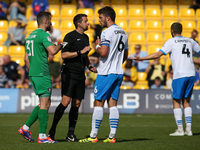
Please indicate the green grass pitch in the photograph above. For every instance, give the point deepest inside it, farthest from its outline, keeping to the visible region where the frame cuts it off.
(135, 132)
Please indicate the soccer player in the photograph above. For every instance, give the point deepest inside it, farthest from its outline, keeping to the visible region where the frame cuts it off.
(74, 52)
(113, 52)
(180, 50)
(38, 46)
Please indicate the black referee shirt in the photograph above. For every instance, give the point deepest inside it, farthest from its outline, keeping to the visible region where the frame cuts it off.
(73, 42)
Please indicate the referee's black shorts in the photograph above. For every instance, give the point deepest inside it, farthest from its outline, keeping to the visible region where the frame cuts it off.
(73, 87)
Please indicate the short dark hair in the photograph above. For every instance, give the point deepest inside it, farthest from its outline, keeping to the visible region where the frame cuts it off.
(78, 19)
(195, 31)
(41, 16)
(177, 28)
(157, 78)
(108, 11)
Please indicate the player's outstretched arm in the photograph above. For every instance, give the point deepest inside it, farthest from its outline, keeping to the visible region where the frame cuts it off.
(149, 57)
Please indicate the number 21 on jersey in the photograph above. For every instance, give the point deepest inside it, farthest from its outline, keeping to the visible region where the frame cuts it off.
(29, 47)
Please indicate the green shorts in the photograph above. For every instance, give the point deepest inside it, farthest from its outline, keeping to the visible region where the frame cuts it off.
(41, 85)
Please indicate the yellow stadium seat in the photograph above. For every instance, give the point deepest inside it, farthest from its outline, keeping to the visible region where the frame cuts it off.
(125, 87)
(184, 3)
(198, 25)
(123, 24)
(28, 12)
(196, 87)
(136, 25)
(188, 25)
(135, 13)
(132, 49)
(153, 25)
(167, 25)
(186, 13)
(153, 49)
(96, 15)
(4, 25)
(53, 2)
(152, 13)
(68, 12)
(57, 57)
(198, 14)
(3, 50)
(121, 13)
(118, 2)
(137, 38)
(142, 76)
(64, 33)
(90, 35)
(3, 37)
(87, 11)
(167, 36)
(135, 3)
(12, 23)
(55, 12)
(152, 3)
(141, 87)
(169, 13)
(145, 82)
(154, 38)
(32, 25)
(187, 34)
(55, 24)
(169, 3)
(19, 60)
(16, 51)
(67, 25)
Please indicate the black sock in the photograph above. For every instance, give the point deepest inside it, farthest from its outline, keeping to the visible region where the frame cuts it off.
(73, 117)
(57, 116)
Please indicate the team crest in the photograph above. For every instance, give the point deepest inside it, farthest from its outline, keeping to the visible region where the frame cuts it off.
(49, 89)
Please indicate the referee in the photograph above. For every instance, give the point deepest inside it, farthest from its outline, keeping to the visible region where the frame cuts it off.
(74, 52)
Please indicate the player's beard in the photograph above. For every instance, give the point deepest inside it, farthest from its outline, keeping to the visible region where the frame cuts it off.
(48, 28)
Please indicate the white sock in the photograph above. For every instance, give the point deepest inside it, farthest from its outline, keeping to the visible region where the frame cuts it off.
(178, 118)
(25, 127)
(188, 118)
(113, 119)
(97, 118)
(42, 135)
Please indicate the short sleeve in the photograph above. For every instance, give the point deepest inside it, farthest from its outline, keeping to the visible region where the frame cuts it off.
(67, 42)
(46, 40)
(105, 39)
(11, 30)
(167, 47)
(195, 47)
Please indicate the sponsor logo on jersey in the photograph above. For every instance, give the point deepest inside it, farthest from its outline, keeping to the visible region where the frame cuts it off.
(78, 39)
(49, 39)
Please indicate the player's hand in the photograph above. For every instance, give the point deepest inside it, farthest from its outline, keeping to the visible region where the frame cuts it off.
(135, 57)
(93, 69)
(98, 41)
(86, 50)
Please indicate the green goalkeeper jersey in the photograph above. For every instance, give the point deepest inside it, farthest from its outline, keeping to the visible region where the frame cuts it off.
(36, 44)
